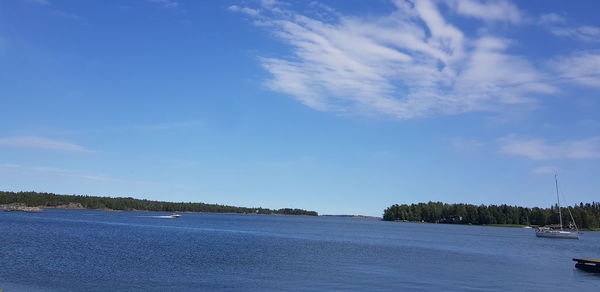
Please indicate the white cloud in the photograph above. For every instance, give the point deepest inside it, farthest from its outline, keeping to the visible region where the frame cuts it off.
(246, 10)
(466, 144)
(268, 3)
(539, 149)
(545, 170)
(551, 18)
(585, 33)
(40, 2)
(166, 3)
(51, 171)
(490, 10)
(408, 64)
(557, 25)
(170, 126)
(41, 143)
(582, 68)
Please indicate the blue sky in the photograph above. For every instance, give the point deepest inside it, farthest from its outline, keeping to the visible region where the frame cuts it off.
(343, 107)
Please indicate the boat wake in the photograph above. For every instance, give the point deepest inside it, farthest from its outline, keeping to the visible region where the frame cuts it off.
(172, 216)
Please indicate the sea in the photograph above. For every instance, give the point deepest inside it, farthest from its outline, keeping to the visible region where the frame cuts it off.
(90, 250)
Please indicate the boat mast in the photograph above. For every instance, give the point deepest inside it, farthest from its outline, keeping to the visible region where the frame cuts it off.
(558, 200)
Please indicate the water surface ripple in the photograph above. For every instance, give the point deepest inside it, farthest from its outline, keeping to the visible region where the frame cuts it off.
(83, 250)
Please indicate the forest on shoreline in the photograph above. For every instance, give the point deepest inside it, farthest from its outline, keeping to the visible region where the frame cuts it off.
(50, 200)
(586, 216)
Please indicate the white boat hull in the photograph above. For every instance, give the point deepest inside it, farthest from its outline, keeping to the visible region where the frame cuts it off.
(548, 232)
(558, 234)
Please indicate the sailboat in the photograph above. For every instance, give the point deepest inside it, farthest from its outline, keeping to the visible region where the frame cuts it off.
(555, 233)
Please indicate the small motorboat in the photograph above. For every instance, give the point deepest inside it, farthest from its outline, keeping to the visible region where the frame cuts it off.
(172, 216)
(588, 265)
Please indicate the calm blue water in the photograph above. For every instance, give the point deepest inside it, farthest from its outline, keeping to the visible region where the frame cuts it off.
(74, 250)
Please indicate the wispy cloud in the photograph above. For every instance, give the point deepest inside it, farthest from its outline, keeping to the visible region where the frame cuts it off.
(168, 126)
(40, 2)
(166, 3)
(585, 33)
(559, 26)
(246, 10)
(487, 10)
(41, 143)
(52, 171)
(57, 12)
(582, 68)
(466, 144)
(407, 64)
(545, 170)
(535, 148)
(551, 18)
(75, 176)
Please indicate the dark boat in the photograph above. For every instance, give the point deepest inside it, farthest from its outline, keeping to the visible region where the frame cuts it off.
(588, 265)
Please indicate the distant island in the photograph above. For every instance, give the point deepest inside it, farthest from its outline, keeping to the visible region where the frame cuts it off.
(353, 216)
(34, 201)
(586, 216)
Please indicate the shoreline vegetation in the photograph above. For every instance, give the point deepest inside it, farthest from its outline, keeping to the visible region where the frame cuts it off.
(36, 202)
(512, 225)
(353, 216)
(586, 216)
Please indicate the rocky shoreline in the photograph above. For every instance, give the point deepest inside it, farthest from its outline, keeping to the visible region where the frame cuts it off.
(20, 207)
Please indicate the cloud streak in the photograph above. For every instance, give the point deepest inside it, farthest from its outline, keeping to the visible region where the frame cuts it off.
(52, 171)
(40, 2)
(41, 143)
(408, 64)
(558, 26)
(538, 149)
(166, 3)
(582, 68)
(249, 11)
(487, 10)
(545, 170)
(170, 126)
(584, 33)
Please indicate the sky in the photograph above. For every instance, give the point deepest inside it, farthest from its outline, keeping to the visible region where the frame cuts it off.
(342, 107)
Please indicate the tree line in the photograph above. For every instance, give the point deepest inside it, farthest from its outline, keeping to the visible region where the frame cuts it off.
(586, 216)
(35, 199)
